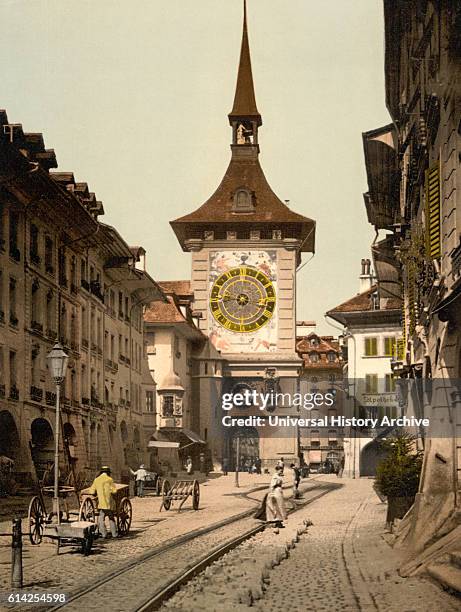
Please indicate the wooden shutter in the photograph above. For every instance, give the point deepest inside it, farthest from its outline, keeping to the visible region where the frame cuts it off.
(433, 213)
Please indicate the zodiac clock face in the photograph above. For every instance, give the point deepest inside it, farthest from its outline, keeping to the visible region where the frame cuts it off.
(242, 299)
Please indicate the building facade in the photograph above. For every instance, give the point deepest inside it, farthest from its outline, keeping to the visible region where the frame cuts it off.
(420, 210)
(187, 371)
(372, 323)
(245, 245)
(67, 277)
(322, 372)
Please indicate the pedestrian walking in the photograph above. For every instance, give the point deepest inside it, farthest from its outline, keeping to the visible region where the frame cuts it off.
(104, 487)
(140, 478)
(189, 465)
(281, 464)
(296, 480)
(340, 471)
(275, 504)
(258, 465)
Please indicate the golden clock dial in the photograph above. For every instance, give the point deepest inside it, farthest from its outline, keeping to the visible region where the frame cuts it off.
(242, 299)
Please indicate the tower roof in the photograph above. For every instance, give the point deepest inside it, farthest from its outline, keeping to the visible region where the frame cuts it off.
(245, 100)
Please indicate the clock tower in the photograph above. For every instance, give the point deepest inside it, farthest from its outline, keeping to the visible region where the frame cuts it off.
(246, 245)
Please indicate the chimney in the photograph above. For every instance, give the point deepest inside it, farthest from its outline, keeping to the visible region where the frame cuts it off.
(366, 277)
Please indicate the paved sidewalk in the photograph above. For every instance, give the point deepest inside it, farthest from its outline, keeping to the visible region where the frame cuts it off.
(344, 563)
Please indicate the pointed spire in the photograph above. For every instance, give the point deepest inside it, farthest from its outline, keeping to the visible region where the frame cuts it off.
(245, 100)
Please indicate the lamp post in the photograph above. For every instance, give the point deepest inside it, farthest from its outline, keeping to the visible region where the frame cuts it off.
(237, 461)
(57, 363)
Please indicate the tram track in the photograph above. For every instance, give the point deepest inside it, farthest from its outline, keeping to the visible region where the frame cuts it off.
(168, 566)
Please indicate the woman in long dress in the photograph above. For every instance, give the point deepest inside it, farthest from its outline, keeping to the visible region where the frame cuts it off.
(275, 505)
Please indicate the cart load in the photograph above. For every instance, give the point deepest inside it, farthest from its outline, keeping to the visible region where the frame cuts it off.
(123, 510)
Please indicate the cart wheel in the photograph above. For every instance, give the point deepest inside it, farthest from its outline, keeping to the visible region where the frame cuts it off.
(195, 495)
(36, 517)
(166, 488)
(125, 512)
(158, 486)
(87, 543)
(87, 510)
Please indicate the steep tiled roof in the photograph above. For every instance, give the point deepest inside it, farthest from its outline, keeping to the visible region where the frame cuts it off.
(180, 287)
(363, 302)
(160, 312)
(268, 208)
(31, 144)
(324, 345)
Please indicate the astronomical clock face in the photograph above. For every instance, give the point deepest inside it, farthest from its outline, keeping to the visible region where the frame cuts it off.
(242, 299)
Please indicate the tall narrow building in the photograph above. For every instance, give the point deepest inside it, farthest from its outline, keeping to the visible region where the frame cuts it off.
(246, 245)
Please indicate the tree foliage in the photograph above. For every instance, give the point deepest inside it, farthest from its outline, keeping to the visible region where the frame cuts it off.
(397, 475)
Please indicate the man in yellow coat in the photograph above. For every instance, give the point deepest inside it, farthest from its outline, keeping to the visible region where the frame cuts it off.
(103, 486)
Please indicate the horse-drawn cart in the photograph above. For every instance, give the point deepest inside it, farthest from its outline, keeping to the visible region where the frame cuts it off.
(123, 510)
(180, 491)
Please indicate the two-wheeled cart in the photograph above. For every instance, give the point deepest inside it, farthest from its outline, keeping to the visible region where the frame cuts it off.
(180, 491)
(123, 509)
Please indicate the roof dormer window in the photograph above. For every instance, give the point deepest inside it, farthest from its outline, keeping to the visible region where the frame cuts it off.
(243, 200)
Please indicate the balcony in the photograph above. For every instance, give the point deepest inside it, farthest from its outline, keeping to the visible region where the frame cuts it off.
(15, 253)
(65, 401)
(121, 402)
(35, 258)
(36, 394)
(2, 391)
(121, 358)
(75, 403)
(14, 393)
(63, 281)
(99, 351)
(13, 320)
(93, 346)
(36, 327)
(50, 398)
(96, 290)
(51, 334)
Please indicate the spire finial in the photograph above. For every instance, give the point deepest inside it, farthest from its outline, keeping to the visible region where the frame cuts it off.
(245, 101)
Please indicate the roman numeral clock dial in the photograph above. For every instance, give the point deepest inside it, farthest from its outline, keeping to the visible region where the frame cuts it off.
(242, 299)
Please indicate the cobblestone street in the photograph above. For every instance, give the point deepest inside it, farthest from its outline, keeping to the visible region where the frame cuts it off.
(45, 571)
(342, 562)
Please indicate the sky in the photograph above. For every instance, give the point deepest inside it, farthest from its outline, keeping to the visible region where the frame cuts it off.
(134, 97)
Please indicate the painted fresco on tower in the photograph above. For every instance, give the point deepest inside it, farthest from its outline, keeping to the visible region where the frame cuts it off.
(243, 294)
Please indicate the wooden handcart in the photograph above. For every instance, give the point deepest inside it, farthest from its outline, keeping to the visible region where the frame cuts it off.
(180, 491)
(123, 510)
(65, 531)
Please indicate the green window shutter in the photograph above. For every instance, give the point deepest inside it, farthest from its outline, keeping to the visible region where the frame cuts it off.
(389, 346)
(371, 347)
(433, 212)
(371, 383)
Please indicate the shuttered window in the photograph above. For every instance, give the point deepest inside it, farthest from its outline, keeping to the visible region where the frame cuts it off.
(371, 347)
(389, 346)
(371, 383)
(433, 216)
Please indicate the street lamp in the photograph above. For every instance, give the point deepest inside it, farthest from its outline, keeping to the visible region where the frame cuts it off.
(57, 360)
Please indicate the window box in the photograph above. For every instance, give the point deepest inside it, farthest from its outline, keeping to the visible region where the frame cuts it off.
(36, 326)
(50, 398)
(63, 281)
(14, 393)
(35, 258)
(15, 253)
(36, 394)
(52, 334)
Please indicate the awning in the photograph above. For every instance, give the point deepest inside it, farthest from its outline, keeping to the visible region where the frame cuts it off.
(162, 444)
(193, 436)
